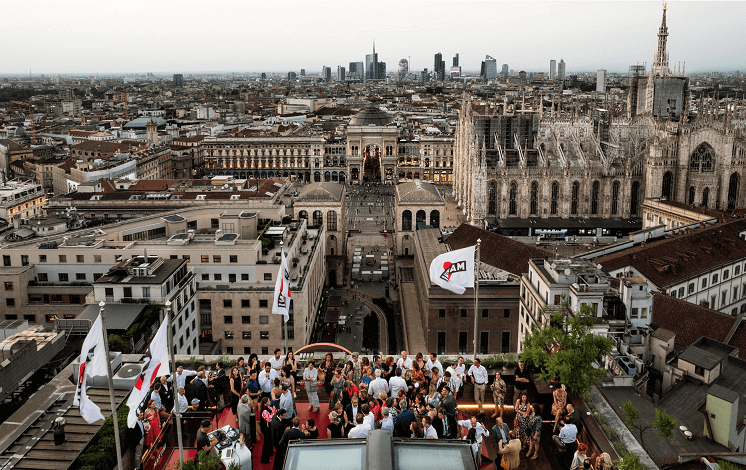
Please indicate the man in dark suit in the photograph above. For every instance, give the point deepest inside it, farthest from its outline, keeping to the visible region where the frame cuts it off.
(573, 416)
(448, 402)
(292, 434)
(351, 412)
(500, 432)
(403, 420)
(277, 430)
(136, 438)
(444, 425)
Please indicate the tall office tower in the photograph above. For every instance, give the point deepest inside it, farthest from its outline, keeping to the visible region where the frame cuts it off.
(424, 76)
(340, 73)
(263, 76)
(561, 70)
(601, 81)
(489, 67)
(355, 71)
(302, 72)
(552, 69)
(455, 60)
(403, 69)
(505, 73)
(381, 70)
(178, 79)
(439, 67)
(371, 65)
(292, 76)
(326, 73)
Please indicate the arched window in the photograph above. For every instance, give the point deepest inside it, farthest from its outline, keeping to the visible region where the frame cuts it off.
(421, 219)
(513, 196)
(331, 221)
(318, 218)
(303, 215)
(435, 219)
(705, 197)
(691, 194)
(575, 196)
(733, 191)
(667, 183)
(534, 197)
(615, 198)
(702, 159)
(492, 199)
(555, 197)
(594, 197)
(406, 220)
(634, 198)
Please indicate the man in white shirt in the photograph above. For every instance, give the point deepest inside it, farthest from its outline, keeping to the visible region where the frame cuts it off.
(267, 378)
(378, 385)
(388, 421)
(434, 362)
(361, 430)
(183, 402)
(286, 402)
(397, 383)
(369, 419)
(481, 431)
(181, 376)
(404, 362)
(277, 360)
(479, 378)
(427, 427)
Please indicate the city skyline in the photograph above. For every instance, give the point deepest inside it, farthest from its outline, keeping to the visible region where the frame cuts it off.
(163, 38)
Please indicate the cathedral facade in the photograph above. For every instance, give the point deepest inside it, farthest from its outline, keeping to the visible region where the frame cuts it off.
(600, 164)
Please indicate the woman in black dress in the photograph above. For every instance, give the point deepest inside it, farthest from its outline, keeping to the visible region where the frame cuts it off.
(326, 371)
(335, 428)
(267, 412)
(253, 364)
(235, 380)
(310, 429)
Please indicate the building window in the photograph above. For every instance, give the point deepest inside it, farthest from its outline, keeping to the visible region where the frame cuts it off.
(245, 303)
(247, 350)
(216, 258)
(42, 258)
(63, 277)
(234, 258)
(726, 274)
(492, 199)
(704, 283)
(506, 313)
(615, 198)
(265, 350)
(691, 288)
(205, 258)
(555, 197)
(736, 270)
(227, 303)
(633, 312)
(244, 276)
(228, 319)
(462, 337)
(80, 276)
(715, 278)
(463, 313)
(513, 196)
(245, 319)
(263, 319)
(575, 196)
(634, 198)
(484, 341)
(534, 206)
(229, 350)
(63, 259)
(6, 260)
(267, 276)
(228, 334)
(331, 221)
(264, 335)
(205, 276)
(8, 286)
(217, 277)
(10, 302)
(594, 197)
(406, 220)
(231, 277)
(681, 292)
(80, 258)
(643, 312)
(698, 370)
(24, 260)
(485, 313)
(263, 303)
(246, 335)
(505, 344)
(442, 313)
(318, 218)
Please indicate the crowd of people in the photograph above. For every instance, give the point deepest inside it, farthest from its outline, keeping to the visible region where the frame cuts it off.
(409, 397)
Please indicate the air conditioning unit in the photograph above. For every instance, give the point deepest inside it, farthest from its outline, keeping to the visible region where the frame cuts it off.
(126, 376)
(100, 380)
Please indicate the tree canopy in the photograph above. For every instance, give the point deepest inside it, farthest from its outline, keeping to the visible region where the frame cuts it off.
(565, 349)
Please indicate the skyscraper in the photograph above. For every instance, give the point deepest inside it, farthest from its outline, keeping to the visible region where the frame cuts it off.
(561, 70)
(340, 73)
(601, 81)
(355, 71)
(371, 65)
(505, 73)
(403, 69)
(552, 69)
(302, 72)
(178, 79)
(455, 60)
(439, 67)
(326, 73)
(489, 68)
(381, 70)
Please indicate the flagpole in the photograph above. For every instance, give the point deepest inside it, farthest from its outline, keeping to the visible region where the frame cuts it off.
(174, 390)
(284, 317)
(111, 385)
(476, 295)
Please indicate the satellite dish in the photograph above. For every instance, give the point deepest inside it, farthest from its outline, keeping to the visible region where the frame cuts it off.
(567, 271)
(554, 266)
(599, 266)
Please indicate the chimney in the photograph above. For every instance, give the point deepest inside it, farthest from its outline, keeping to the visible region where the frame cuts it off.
(145, 254)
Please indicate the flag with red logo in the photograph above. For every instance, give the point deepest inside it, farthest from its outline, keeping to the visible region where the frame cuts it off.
(454, 270)
(281, 304)
(155, 365)
(92, 363)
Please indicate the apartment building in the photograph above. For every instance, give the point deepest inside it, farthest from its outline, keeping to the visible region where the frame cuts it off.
(21, 200)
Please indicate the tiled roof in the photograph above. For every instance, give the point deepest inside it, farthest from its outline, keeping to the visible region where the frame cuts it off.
(496, 250)
(326, 191)
(101, 146)
(674, 259)
(152, 185)
(690, 321)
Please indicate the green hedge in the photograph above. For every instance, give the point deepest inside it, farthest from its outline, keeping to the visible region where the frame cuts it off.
(100, 454)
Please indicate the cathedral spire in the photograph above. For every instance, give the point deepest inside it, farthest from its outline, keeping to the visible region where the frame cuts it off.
(660, 64)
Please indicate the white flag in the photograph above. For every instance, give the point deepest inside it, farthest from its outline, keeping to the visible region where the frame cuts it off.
(156, 364)
(454, 270)
(281, 305)
(92, 363)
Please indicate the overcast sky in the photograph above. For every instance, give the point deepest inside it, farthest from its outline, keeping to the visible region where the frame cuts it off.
(169, 36)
